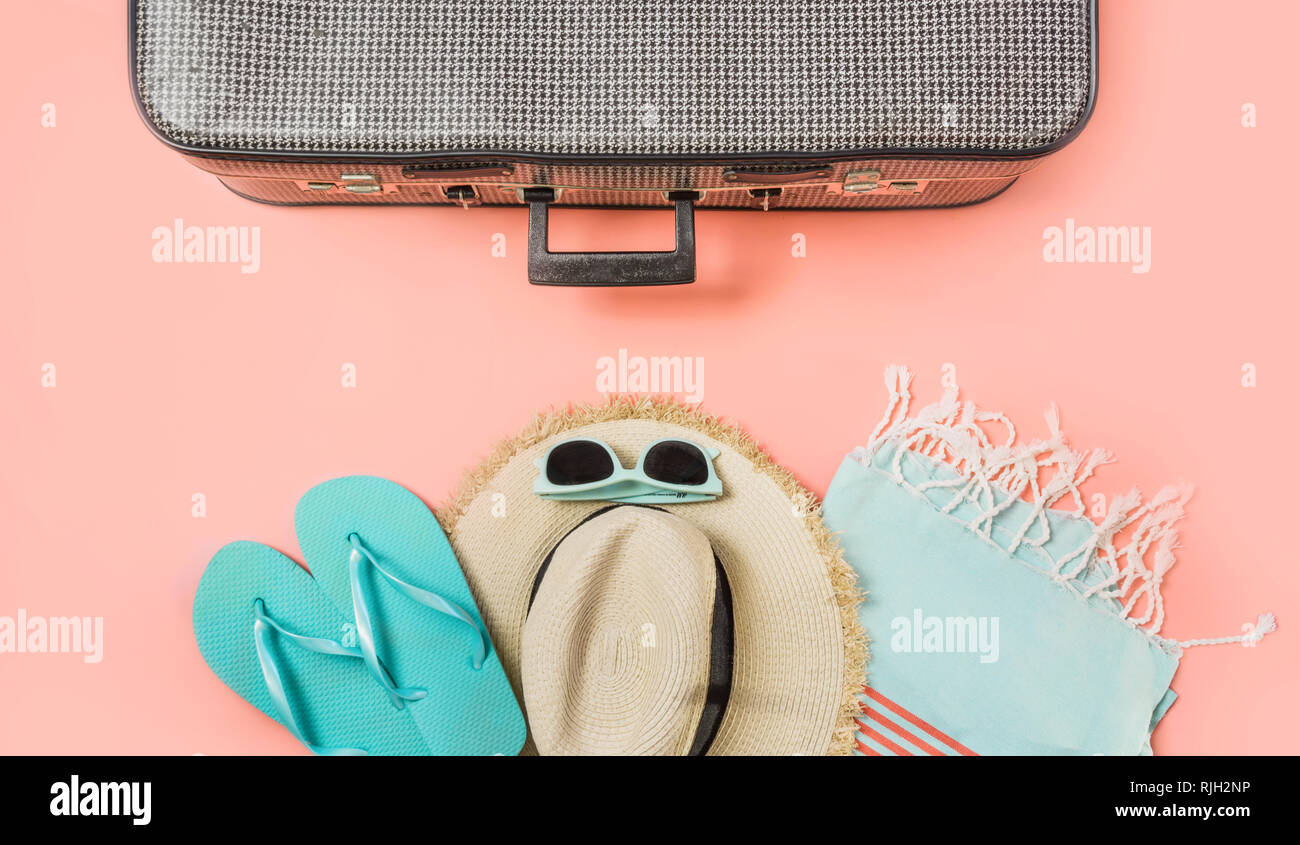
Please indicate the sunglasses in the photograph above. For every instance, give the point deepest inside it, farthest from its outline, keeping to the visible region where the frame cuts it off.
(669, 471)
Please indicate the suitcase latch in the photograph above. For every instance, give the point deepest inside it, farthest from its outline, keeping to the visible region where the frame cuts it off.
(859, 181)
(463, 195)
(353, 183)
(361, 183)
(870, 181)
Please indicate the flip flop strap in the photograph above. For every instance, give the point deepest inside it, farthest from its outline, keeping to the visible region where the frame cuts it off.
(263, 625)
(360, 556)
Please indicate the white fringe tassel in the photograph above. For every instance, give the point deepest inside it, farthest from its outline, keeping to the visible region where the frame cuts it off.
(952, 431)
(1266, 624)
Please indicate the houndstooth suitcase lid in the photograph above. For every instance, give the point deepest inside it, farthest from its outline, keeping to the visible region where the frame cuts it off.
(615, 79)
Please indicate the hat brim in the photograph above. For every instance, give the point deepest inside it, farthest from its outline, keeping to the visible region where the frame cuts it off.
(800, 652)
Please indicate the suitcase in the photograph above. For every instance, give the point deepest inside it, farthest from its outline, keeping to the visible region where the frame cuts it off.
(681, 104)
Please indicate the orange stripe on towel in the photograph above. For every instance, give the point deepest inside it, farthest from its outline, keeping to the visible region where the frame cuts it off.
(919, 722)
(879, 718)
(867, 750)
(871, 732)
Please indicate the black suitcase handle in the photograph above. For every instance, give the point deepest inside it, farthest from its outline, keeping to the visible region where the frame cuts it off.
(609, 269)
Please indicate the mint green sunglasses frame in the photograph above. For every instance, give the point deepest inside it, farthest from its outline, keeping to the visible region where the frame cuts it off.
(629, 486)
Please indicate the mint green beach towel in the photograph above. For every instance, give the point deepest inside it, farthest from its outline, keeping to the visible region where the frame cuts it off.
(1003, 619)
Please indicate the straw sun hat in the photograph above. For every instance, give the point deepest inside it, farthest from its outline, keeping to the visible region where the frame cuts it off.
(719, 627)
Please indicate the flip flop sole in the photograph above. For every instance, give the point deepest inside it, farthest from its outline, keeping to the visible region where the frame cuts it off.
(467, 710)
(333, 698)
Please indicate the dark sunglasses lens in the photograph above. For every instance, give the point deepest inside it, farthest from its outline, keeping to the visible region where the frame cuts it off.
(675, 462)
(578, 462)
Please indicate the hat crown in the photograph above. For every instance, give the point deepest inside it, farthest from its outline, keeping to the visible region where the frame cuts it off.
(616, 647)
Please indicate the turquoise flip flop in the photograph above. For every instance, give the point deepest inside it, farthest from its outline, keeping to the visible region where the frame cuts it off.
(271, 634)
(380, 555)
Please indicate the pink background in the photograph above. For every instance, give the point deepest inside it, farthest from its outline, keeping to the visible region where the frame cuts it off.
(176, 379)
